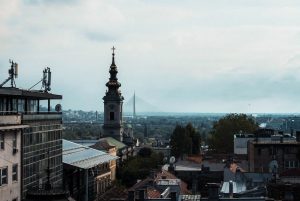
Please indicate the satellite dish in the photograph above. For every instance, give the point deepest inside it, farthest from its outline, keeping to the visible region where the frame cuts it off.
(58, 107)
(172, 160)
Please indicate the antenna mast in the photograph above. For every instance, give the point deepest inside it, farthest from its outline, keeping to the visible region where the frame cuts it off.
(46, 80)
(13, 73)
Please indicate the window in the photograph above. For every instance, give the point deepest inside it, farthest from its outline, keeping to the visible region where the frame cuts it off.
(15, 172)
(2, 141)
(14, 105)
(3, 176)
(21, 105)
(292, 164)
(111, 116)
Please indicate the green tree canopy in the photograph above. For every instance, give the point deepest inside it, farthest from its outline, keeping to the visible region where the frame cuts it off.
(139, 166)
(185, 140)
(222, 134)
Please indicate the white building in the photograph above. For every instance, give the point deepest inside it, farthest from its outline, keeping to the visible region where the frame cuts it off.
(10, 157)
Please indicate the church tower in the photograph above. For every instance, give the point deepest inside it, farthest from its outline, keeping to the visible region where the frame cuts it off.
(113, 105)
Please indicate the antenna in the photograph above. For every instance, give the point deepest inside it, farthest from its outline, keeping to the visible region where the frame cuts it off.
(46, 80)
(13, 73)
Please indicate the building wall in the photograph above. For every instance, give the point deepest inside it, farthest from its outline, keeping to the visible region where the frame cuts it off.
(113, 164)
(113, 128)
(261, 154)
(116, 107)
(12, 189)
(99, 180)
(41, 137)
(240, 143)
(292, 180)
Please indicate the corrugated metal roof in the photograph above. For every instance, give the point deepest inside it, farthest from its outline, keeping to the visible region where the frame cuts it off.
(84, 157)
(237, 187)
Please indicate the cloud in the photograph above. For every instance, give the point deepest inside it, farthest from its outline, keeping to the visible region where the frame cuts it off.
(182, 56)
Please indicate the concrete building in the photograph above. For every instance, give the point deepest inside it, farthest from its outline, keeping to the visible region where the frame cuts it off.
(40, 138)
(263, 135)
(87, 172)
(273, 156)
(103, 145)
(10, 157)
(163, 186)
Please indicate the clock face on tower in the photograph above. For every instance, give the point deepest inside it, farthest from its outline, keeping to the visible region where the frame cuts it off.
(111, 107)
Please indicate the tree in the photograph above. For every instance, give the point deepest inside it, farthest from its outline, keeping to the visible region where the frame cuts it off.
(222, 134)
(139, 166)
(185, 140)
(178, 140)
(145, 152)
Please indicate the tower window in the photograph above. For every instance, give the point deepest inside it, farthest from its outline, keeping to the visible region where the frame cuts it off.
(111, 116)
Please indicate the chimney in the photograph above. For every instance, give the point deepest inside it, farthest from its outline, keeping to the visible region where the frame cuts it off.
(131, 196)
(173, 196)
(213, 191)
(142, 195)
(230, 189)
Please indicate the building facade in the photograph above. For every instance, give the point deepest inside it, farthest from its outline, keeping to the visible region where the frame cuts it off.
(113, 105)
(40, 141)
(240, 141)
(87, 172)
(10, 157)
(273, 156)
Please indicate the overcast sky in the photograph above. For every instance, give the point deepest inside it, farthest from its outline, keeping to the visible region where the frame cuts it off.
(181, 56)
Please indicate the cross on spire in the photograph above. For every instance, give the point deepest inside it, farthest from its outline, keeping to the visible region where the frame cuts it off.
(113, 49)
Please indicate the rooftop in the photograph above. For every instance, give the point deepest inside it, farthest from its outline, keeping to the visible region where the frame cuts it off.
(16, 92)
(275, 142)
(82, 156)
(113, 142)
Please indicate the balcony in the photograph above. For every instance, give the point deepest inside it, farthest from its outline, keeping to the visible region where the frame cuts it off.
(10, 118)
(42, 116)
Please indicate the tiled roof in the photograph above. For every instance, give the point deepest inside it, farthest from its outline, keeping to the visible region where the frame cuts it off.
(168, 175)
(113, 193)
(113, 142)
(153, 193)
(102, 145)
(141, 184)
(82, 156)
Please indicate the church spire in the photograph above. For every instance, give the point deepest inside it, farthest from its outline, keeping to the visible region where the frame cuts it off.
(113, 56)
(113, 84)
(113, 104)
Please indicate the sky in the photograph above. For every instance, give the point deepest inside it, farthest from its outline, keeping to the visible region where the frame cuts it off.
(179, 56)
